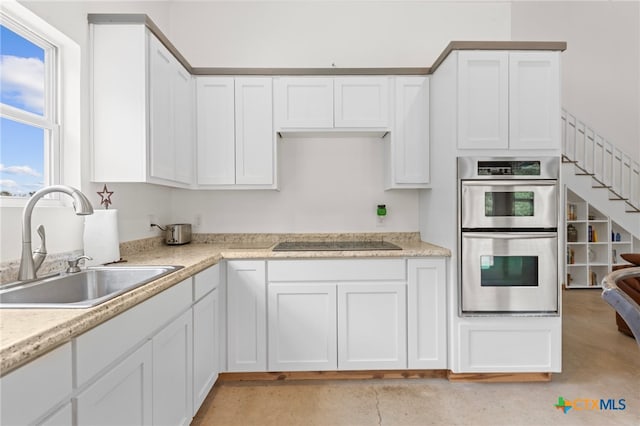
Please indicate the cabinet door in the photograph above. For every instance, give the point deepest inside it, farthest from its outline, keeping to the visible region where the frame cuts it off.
(206, 345)
(483, 100)
(304, 102)
(411, 131)
(534, 100)
(32, 390)
(255, 139)
(372, 326)
(361, 102)
(216, 144)
(426, 314)
(246, 316)
(302, 327)
(173, 373)
(160, 111)
(183, 132)
(122, 396)
(62, 416)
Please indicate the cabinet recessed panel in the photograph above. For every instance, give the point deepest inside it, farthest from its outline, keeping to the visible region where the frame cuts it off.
(483, 100)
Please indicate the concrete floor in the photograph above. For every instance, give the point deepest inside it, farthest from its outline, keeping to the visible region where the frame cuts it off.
(598, 362)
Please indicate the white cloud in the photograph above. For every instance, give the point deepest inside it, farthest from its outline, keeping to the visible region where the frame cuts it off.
(19, 170)
(8, 183)
(22, 79)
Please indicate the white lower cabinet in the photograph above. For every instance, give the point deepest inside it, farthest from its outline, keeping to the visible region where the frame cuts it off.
(123, 396)
(302, 327)
(28, 393)
(427, 313)
(246, 316)
(509, 345)
(372, 326)
(172, 373)
(63, 416)
(206, 346)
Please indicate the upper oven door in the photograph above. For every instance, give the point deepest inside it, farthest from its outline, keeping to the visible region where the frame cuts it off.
(509, 204)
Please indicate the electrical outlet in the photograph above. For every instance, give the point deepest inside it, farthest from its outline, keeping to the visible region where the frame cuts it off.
(152, 219)
(197, 222)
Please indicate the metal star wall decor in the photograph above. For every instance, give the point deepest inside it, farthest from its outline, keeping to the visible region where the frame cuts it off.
(105, 195)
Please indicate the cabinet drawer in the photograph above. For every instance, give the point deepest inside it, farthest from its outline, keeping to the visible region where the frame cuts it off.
(526, 345)
(30, 391)
(205, 281)
(336, 270)
(104, 344)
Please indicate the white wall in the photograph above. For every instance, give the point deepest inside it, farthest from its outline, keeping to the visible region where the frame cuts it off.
(320, 33)
(328, 185)
(601, 66)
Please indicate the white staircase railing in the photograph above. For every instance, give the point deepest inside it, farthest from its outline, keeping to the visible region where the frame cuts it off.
(594, 156)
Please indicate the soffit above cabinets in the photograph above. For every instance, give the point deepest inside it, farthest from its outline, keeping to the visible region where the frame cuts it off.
(135, 18)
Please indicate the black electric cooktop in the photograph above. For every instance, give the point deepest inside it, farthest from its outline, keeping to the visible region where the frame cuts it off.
(335, 246)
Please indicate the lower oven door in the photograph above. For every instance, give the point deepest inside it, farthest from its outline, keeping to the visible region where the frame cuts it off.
(509, 272)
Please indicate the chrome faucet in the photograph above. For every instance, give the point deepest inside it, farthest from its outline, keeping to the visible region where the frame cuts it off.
(31, 262)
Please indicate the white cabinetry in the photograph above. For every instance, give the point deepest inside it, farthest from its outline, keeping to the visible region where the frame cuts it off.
(407, 146)
(151, 381)
(508, 100)
(509, 345)
(427, 313)
(302, 327)
(361, 102)
(303, 102)
(353, 308)
(235, 138)
(123, 396)
(372, 326)
(331, 103)
(206, 333)
(30, 392)
(141, 109)
(173, 372)
(246, 316)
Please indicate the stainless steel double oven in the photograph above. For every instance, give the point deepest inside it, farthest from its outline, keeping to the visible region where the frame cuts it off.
(508, 235)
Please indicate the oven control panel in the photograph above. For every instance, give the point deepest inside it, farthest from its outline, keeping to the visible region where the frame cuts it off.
(508, 168)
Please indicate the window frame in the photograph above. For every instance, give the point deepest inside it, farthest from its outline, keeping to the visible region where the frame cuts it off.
(62, 159)
(49, 120)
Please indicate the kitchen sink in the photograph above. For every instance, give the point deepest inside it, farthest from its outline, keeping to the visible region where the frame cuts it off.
(85, 289)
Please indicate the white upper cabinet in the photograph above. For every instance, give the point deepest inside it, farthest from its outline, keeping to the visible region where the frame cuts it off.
(534, 100)
(235, 138)
(508, 100)
(141, 109)
(304, 102)
(361, 102)
(216, 145)
(254, 131)
(483, 99)
(171, 93)
(323, 103)
(408, 142)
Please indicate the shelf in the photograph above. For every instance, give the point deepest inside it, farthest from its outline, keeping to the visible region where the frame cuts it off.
(593, 259)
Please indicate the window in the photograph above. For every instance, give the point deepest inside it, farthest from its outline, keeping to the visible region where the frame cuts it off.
(29, 128)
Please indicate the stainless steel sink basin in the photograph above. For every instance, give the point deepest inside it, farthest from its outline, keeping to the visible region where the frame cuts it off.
(84, 289)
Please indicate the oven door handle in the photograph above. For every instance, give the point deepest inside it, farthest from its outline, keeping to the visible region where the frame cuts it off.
(514, 182)
(509, 235)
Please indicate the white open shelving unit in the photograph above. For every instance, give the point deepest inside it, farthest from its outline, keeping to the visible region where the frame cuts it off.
(595, 252)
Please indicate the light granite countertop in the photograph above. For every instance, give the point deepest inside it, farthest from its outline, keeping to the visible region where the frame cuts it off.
(28, 333)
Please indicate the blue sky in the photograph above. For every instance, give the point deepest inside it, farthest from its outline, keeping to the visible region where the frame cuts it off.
(21, 86)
